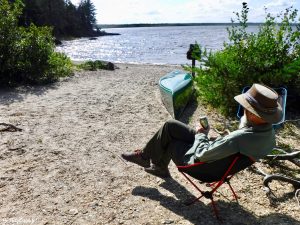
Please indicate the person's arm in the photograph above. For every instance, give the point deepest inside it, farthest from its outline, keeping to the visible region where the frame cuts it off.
(205, 151)
(220, 148)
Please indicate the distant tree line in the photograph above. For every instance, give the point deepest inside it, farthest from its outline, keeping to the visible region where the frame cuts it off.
(66, 19)
(168, 25)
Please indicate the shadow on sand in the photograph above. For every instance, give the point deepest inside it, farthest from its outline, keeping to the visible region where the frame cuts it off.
(9, 96)
(199, 213)
(189, 110)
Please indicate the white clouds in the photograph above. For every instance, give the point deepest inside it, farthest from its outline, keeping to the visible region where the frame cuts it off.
(274, 7)
(278, 3)
(154, 11)
(182, 11)
(132, 11)
(212, 11)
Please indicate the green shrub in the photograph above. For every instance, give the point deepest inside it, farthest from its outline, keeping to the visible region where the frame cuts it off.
(95, 65)
(92, 65)
(271, 57)
(27, 55)
(59, 66)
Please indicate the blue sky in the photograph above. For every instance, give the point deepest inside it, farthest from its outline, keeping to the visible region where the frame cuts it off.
(183, 11)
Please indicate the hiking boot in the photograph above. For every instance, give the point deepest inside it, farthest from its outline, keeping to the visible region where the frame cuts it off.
(158, 171)
(137, 158)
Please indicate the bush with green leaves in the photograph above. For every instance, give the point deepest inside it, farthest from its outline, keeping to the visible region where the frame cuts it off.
(271, 57)
(95, 65)
(92, 65)
(27, 55)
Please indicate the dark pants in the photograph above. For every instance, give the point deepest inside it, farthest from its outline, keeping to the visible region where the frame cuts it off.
(171, 141)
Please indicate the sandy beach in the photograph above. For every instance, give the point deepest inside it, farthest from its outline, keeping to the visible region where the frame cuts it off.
(64, 167)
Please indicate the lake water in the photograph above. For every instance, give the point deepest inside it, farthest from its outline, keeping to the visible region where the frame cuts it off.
(154, 45)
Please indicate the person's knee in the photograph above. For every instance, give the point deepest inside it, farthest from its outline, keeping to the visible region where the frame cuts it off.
(170, 122)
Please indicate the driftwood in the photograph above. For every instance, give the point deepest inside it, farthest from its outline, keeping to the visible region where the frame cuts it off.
(9, 127)
(280, 177)
(292, 157)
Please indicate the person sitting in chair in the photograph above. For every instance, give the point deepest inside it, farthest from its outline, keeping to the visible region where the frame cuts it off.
(255, 137)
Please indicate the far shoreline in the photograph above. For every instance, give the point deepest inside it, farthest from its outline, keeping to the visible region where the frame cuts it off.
(77, 62)
(135, 25)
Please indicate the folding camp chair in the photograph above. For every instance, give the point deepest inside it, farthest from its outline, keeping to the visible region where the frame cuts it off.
(215, 173)
(221, 171)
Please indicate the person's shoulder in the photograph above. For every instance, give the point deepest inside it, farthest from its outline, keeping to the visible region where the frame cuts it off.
(239, 132)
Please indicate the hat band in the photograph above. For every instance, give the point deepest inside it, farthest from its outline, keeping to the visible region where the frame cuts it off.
(252, 101)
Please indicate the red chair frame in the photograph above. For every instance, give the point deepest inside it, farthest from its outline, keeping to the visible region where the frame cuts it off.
(225, 178)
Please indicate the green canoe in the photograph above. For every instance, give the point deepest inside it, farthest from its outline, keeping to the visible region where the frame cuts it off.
(176, 88)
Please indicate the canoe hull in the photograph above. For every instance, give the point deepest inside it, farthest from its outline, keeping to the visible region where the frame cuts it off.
(176, 89)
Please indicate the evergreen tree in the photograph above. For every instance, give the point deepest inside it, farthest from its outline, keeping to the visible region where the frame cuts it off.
(65, 18)
(72, 19)
(86, 10)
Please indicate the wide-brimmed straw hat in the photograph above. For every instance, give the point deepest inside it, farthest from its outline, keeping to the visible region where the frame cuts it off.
(263, 102)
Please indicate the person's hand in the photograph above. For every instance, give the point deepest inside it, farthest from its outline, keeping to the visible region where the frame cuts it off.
(213, 135)
(200, 129)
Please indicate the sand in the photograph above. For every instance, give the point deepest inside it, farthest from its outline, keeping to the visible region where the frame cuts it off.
(64, 167)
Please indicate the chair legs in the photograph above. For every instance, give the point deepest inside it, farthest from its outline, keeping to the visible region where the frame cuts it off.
(233, 192)
(209, 194)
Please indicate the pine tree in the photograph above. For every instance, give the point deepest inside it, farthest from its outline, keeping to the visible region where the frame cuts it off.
(86, 10)
(65, 18)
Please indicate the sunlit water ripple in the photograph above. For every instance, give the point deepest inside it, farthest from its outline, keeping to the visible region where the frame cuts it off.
(154, 45)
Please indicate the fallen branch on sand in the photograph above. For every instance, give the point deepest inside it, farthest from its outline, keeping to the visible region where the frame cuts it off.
(292, 157)
(9, 128)
(270, 177)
